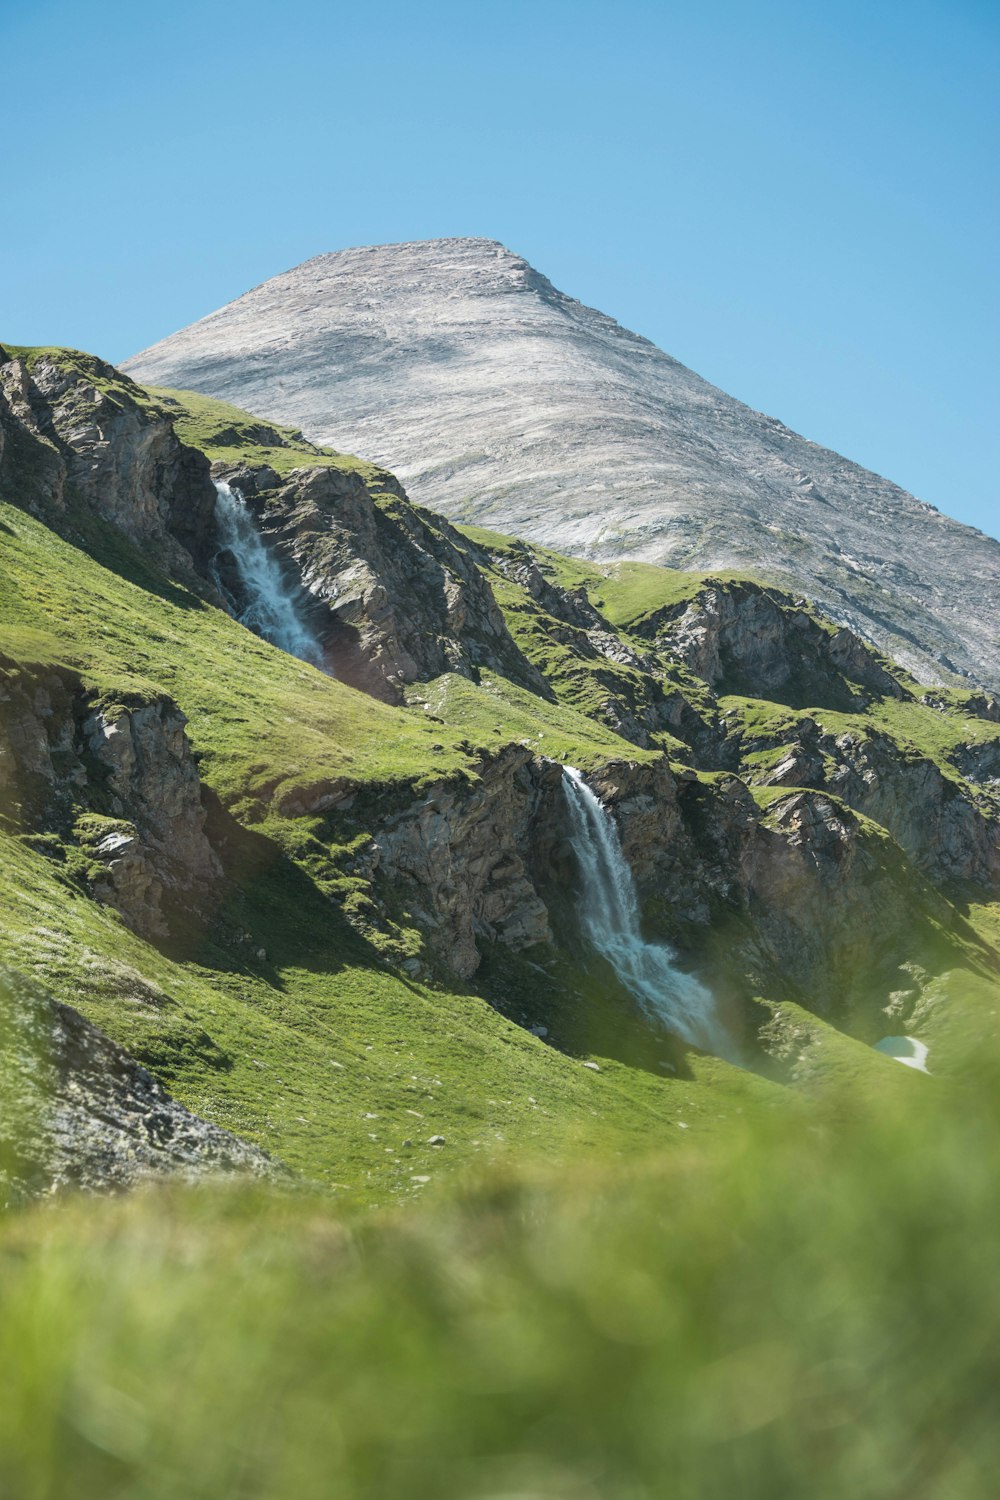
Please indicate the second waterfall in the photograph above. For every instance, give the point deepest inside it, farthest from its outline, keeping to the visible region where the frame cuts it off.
(609, 910)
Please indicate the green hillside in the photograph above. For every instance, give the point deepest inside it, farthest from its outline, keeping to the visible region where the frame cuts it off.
(321, 1051)
(296, 1010)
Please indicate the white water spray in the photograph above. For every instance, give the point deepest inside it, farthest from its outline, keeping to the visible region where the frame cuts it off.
(609, 909)
(267, 606)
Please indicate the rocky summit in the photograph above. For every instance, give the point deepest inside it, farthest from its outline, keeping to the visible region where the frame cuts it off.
(499, 400)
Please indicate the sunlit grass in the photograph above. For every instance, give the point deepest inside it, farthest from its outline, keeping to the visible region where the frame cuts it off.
(807, 1312)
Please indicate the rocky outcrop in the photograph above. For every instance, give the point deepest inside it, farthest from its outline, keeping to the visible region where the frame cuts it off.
(77, 432)
(118, 783)
(801, 895)
(79, 1112)
(979, 763)
(949, 829)
(497, 399)
(395, 594)
(150, 778)
(832, 907)
(463, 854)
(745, 639)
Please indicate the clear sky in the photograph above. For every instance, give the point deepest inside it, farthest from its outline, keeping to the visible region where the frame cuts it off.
(797, 199)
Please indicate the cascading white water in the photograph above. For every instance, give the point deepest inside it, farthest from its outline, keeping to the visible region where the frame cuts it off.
(266, 606)
(609, 909)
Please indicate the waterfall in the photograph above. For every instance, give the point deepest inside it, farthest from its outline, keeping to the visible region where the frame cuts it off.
(609, 910)
(251, 582)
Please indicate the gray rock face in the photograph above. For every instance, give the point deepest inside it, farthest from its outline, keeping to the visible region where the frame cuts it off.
(394, 594)
(740, 639)
(946, 829)
(465, 854)
(79, 1112)
(499, 400)
(118, 782)
(72, 430)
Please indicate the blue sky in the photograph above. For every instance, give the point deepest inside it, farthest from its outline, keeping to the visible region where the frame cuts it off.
(799, 200)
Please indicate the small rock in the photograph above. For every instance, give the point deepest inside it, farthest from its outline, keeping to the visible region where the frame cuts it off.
(592, 1066)
(539, 1031)
(435, 1140)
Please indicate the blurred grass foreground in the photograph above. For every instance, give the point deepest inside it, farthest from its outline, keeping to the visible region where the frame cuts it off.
(795, 1312)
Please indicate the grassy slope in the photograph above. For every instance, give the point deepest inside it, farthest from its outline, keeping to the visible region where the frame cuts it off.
(802, 1313)
(256, 1044)
(227, 435)
(258, 716)
(326, 1057)
(298, 1050)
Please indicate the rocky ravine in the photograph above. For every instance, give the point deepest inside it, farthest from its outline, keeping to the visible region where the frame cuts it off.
(498, 399)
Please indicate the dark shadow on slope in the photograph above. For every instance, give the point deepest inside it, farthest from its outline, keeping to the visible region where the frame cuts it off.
(579, 1007)
(274, 915)
(108, 546)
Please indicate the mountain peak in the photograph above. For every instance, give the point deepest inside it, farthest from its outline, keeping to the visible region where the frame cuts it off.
(501, 400)
(416, 270)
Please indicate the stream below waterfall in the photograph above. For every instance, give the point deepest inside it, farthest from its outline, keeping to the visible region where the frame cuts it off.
(609, 912)
(258, 595)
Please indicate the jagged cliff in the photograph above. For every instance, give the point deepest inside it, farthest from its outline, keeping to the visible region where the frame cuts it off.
(501, 400)
(299, 897)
